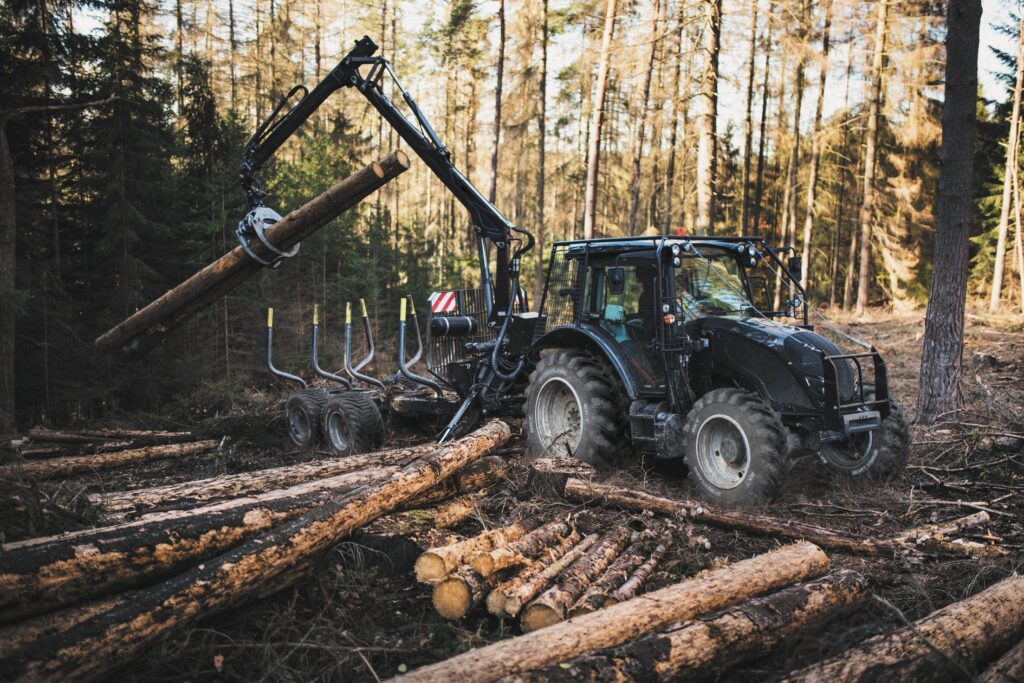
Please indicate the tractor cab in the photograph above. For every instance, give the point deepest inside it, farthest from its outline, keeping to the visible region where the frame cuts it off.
(700, 349)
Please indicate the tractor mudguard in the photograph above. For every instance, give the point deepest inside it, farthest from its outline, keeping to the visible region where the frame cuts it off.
(598, 342)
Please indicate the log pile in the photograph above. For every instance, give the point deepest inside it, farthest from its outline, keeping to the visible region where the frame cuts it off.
(206, 556)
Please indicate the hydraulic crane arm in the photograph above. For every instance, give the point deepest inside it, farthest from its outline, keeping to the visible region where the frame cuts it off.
(488, 222)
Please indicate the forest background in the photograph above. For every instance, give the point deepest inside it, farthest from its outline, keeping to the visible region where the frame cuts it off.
(816, 123)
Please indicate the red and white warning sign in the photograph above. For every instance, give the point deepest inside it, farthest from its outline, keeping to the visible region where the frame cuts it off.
(443, 302)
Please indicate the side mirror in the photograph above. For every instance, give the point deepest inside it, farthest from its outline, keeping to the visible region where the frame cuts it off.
(616, 280)
(796, 267)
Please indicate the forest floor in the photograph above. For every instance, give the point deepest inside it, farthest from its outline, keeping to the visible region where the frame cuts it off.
(361, 616)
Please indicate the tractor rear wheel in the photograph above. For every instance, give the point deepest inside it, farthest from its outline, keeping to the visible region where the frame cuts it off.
(878, 454)
(575, 406)
(352, 423)
(302, 414)
(736, 447)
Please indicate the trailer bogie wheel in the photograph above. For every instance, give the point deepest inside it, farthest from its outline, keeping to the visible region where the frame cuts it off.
(302, 414)
(736, 447)
(877, 454)
(575, 406)
(352, 423)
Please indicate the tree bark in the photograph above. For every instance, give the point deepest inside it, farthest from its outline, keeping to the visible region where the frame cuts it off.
(631, 586)
(942, 530)
(454, 597)
(267, 563)
(498, 599)
(471, 479)
(940, 647)
(436, 564)
(531, 545)
(530, 583)
(638, 143)
(1012, 141)
(81, 464)
(755, 227)
(942, 353)
(542, 132)
(748, 123)
(707, 152)
(841, 194)
(597, 123)
(456, 511)
(492, 195)
(867, 207)
(148, 326)
(816, 145)
(553, 605)
(626, 621)
(673, 142)
(1007, 669)
(196, 492)
(613, 577)
(695, 649)
(631, 499)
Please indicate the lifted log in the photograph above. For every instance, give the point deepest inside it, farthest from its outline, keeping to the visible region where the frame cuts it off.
(148, 326)
(262, 565)
(694, 649)
(940, 647)
(81, 464)
(612, 626)
(614, 576)
(532, 545)
(197, 492)
(436, 564)
(498, 599)
(632, 499)
(631, 586)
(552, 605)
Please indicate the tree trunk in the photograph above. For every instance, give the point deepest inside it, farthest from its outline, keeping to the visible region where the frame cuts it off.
(638, 143)
(456, 511)
(148, 326)
(1018, 239)
(553, 605)
(471, 479)
(492, 195)
(707, 152)
(530, 546)
(1012, 141)
(748, 123)
(816, 145)
(942, 353)
(259, 566)
(867, 207)
(82, 464)
(436, 564)
(755, 227)
(635, 581)
(614, 576)
(542, 113)
(196, 492)
(550, 562)
(597, 122)
(460, 592)
(940, 647)
(673, 142)
(841, 193)
(697, 648)
(1007, 669)
(628, 620)
(631, 499)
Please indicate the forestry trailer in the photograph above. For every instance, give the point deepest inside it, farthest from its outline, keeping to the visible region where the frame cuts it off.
(667, 347)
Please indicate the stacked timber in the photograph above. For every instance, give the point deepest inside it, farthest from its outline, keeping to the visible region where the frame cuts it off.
(190, 562)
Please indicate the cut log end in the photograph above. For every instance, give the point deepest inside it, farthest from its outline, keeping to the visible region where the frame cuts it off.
(496, 603)
(483, 564)
(430, 568)
(452, 598)
(538, 616)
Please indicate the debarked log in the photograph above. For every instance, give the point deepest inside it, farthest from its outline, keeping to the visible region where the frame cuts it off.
(940, 647)
(148, 326)
(436, 564)
(271, 561)
(80, 464)
(628, 620)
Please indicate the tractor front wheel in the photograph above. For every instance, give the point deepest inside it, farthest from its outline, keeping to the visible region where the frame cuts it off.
(302, 414)
(736, 447)
(878, 454)
(575, 406)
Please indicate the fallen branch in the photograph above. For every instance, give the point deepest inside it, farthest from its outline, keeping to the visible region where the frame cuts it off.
(945, 645)
(628, 620)
(94, 647)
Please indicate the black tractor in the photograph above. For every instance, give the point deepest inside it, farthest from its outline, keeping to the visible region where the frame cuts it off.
(671, 347)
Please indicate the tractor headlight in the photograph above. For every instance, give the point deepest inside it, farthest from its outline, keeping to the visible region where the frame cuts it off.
(677, 262)
(675, 250)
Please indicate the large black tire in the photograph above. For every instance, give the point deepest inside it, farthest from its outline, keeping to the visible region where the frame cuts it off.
(302, 416)
(352, 423)
(874, 455)
(736, 448)
(576, 406)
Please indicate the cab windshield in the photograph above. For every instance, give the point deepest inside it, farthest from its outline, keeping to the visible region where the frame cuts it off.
(711, 284)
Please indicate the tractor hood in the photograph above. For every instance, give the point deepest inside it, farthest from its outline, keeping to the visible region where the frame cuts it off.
(783, 361)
